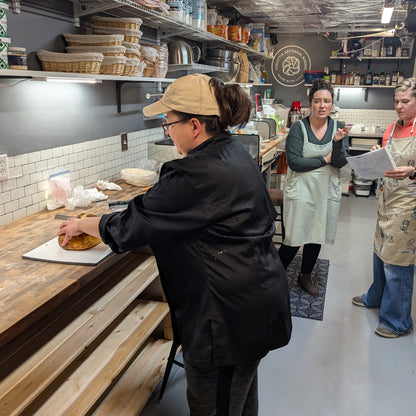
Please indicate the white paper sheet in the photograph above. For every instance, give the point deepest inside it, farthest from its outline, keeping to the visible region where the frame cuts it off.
(372, 165)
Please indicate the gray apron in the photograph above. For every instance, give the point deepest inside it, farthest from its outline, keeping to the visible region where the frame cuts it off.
(311, 199)
(395, 237)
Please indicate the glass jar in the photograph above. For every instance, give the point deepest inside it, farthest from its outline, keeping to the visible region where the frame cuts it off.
(17, 58)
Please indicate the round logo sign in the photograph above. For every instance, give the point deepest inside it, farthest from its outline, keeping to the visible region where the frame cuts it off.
(289, 64)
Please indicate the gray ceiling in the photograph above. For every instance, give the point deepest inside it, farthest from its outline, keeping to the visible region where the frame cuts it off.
(304, 16)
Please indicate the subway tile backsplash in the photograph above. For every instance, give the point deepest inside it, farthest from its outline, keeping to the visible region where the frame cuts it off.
(25, 192)
(368, 118)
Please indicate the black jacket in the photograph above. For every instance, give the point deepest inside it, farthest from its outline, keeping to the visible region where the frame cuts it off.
(209, 221)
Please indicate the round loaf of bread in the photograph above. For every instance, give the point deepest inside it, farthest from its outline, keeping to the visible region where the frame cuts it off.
(82, 241)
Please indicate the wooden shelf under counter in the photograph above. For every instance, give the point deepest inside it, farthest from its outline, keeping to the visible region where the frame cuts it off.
(74, 339)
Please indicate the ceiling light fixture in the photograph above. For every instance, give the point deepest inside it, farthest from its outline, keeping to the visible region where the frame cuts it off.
(387, 14)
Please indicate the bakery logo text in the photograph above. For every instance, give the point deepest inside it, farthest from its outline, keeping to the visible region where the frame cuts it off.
(289, 64)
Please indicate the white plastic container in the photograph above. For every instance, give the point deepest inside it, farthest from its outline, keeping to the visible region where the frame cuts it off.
(3, 18)
(139, 177)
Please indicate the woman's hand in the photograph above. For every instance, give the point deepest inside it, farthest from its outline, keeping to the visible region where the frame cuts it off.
(328, 157)
(400, 173)
(375, 147)
(70, 227)
(75, 226)
(340, 134)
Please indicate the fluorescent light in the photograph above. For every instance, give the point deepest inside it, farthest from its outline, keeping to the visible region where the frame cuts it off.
(387, 14)
(74, 79)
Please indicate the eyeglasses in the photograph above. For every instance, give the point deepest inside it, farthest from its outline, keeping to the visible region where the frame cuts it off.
(166, 126)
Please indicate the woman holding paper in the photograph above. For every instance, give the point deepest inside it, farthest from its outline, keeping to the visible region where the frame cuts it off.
(316, 149)
(395, 238)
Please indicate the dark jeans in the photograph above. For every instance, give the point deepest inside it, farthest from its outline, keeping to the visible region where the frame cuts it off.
(309, 256)
(224, 391)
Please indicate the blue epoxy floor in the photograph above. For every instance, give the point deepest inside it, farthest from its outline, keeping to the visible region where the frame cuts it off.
(338, 366)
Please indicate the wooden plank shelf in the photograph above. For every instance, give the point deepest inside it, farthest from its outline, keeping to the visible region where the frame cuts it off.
(132, 391)
(97, 369)
(36, 374)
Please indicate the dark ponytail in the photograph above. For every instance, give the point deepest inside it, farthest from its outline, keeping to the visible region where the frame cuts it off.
(234, 104)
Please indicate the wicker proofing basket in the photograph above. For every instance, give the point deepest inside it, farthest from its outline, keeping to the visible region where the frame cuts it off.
(113, 65)
(121, 22)
(132, 50)
(130, 35)
(84, 63)
(131, 68)
(93, 40)
(114, 50)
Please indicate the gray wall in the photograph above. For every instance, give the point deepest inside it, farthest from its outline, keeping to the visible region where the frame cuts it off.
(37, 115)
(319, 49)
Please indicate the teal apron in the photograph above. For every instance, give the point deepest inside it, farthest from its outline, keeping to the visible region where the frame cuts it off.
(395, 237)
(311, 199)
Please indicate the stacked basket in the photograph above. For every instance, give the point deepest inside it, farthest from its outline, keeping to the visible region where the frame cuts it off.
(87, 53)
(128, 64)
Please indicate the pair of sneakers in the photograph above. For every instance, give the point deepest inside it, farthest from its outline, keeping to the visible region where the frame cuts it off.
(380, 330)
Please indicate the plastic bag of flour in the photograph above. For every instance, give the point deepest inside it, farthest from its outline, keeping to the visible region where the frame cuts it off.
(59, 189)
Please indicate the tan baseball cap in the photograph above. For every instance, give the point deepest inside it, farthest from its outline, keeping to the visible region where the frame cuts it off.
(190, 94)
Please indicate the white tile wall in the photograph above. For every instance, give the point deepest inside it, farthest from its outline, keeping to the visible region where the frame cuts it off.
(368, 118)
(25, 192)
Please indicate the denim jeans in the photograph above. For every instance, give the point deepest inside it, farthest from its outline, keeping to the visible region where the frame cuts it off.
(391, 291)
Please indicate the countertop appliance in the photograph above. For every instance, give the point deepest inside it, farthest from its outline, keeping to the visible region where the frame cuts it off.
(295, 113)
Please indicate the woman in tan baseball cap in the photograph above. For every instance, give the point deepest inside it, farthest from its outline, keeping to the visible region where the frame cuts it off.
(210, 223)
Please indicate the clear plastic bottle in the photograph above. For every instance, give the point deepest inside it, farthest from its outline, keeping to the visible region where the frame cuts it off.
(369, 78)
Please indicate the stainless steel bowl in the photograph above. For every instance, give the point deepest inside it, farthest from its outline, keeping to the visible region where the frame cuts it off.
(232, 68)
(224, 54)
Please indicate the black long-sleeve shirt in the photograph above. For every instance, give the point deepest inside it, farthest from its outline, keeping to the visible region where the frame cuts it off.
(209, 221)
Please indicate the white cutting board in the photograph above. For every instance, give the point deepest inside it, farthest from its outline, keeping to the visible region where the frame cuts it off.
(52, 252)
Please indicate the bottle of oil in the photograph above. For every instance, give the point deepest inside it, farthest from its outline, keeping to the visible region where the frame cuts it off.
(369, 78)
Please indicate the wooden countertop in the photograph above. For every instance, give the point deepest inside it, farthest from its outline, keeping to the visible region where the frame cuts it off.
(30, 289)
(265, 147)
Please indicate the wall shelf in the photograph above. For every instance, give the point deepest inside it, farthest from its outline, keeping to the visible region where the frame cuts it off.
(166, 26)
(380, 58)
(43, 75)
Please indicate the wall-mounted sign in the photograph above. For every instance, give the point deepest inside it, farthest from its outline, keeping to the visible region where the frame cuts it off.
(289, 64)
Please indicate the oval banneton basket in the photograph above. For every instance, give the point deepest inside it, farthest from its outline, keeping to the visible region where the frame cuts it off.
(120, 22)
(130, 35)
(131, 68)
(113, 50)
(93, 40)
(113, 65)
(84, 63)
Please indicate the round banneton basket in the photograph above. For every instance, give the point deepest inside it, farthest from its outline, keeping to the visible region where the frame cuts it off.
(121, 22)
(113, 50)
(113, 65)
(131, 68)
(93, 40)
(130, 35)
(132, 50)
(139, 177)
(85, 62)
